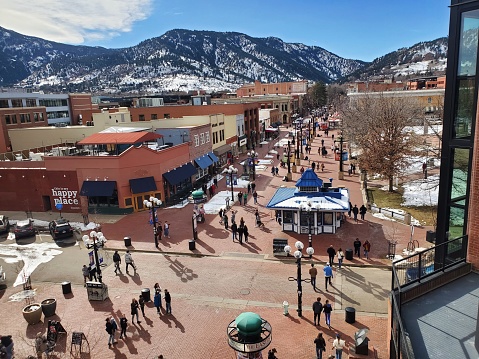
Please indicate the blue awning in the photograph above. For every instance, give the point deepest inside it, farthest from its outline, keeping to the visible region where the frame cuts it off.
(213, 157)
(180, 174)
(204, 161)
(97, 188)
(141, 185)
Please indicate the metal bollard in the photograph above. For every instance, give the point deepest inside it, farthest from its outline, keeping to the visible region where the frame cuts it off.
(285, 308)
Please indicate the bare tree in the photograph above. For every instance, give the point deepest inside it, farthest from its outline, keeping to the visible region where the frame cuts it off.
(379, 125)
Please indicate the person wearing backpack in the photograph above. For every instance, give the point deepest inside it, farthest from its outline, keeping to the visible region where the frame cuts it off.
(320, 345)
(111, 328)
(117, 261)
(123, 325)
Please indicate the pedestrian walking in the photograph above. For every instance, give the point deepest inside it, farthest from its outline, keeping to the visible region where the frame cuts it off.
(117, 261)
(350, 169)
(233, 216)
(317, 309)
(227, 202)
(272, 354)
(141, 302)
(86, 274)
(168, 301)
(277, 171)
(338, 345)
(123, 326)
(313, 166)
(313, 272)
(210, 191)
(322, 167)
(225, 220)
(320, 345)
(253, 186)
(362, 211)
(357, 247)
(258, 218)
(110, 330)
(246, 233)
(240, 197)
(234, 230)
(332, 136)
(7, 342)
(367, 248)
(331, 254)
(340, 257)
(327, 309)
(255, 197)
(328, 275)
(157, 301)
(129, 261)
(350, 209)
(167, 229)
(245, 198)
(248, 187)
(240, 232)
(273, 171)
(215, 181)
(134, 310)
(354, 169)
(220, 213)
(92, 272)
(355, 213)
(159, 230)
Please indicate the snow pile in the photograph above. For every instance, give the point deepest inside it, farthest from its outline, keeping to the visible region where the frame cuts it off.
(423, 192)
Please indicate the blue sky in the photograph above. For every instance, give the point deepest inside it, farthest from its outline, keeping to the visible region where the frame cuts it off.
(357, 29)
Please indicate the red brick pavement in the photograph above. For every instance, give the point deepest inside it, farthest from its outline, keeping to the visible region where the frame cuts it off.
(213, 239)
(197, 328)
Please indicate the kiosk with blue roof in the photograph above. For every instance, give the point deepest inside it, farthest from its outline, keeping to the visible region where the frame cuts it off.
(310, 200)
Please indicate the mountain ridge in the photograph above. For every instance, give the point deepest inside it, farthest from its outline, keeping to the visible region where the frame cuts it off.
(181, 60)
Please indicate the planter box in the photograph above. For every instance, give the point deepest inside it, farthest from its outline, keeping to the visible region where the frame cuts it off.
(32, 313)
(49, 307)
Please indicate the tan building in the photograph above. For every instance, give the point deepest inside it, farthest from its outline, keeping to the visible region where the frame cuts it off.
(264, 89)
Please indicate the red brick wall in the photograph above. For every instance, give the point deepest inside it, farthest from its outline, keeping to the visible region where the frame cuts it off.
(80, 104)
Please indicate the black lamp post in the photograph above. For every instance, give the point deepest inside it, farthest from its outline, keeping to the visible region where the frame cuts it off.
(288, 161)
(298, 254)
(98, 241)
(152, 205)
(230, 171)
(252, 156)
(427, 154)
(341, 141)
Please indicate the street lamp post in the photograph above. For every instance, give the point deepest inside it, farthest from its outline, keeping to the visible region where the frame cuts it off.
(252, 156)
(298, 254)
(289, 176)
(341, 141)
(427, 154)
(98, 241)
(230, 171)
(152, 205)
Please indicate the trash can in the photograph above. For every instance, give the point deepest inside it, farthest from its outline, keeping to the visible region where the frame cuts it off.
(192, 245)
(127, 241)
(349, 254)
(145, 293)
(66, 287)
(350, 315)
(285, 307)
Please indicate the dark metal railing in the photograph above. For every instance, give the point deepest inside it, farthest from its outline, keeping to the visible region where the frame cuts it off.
(414, 269)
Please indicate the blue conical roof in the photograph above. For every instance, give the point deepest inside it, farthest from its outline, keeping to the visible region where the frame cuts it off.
(309, 179)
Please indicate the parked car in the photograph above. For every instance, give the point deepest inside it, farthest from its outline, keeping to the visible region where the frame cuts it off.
(24, 229)
(4, 224)
(60, 228)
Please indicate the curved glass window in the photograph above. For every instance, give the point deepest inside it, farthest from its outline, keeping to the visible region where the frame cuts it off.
(464, 108)
(468, 43)
(460, 169)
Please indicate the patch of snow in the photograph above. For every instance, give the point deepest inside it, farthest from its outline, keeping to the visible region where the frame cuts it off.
(423, 192)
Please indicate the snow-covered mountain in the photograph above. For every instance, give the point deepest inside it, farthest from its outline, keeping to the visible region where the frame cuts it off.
(180, 60)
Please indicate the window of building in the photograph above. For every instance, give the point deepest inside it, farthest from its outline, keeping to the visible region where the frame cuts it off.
(166, 115)
(17, 102)
(464, 108)
(202, 138)
(197, 140)
(207, 135)
(27, 118)
(141, 117)
(22, 118)
(4, 104)
(53, 102)
(287, 216)
(468, 43)
(128, 202)
(8, 120)
(222, 135)
(14, 118)
(308, 189)
(57, 114)
(154, 116)
(35, 116)
(327, 217)
(30, 102)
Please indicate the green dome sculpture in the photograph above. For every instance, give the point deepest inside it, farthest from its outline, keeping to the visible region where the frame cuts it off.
(249, 324)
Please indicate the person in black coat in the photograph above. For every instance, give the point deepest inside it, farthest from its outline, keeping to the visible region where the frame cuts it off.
(234, 230)
(246, 234)
(331, 254)
(240, 233)
(357, 247)
(362, 211)
(355, 212)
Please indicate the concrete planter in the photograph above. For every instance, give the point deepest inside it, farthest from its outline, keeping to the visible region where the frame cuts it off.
(49, 307)
(32, 313)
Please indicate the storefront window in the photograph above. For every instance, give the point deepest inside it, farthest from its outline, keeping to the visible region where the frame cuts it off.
(304, 218)
(465, 108)
(459, 173)
(468, 43)
(287, 216)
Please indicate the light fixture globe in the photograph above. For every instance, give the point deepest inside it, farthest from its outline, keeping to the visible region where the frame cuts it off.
(99, 234)
(299, 245)
(85, 238)
(152, 199)
(287, 249)
(93, 234)
(298, 254)
(310, 251)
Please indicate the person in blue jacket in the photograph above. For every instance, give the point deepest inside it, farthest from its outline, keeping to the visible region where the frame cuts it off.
(328, 275)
